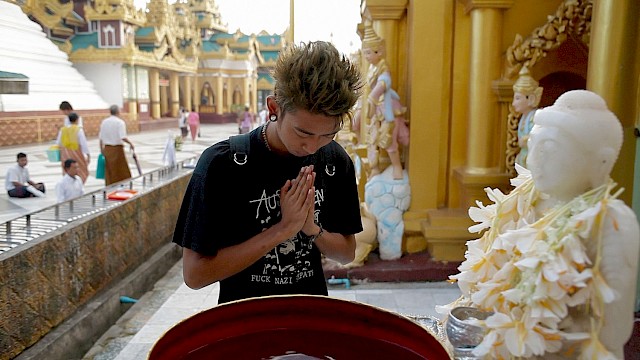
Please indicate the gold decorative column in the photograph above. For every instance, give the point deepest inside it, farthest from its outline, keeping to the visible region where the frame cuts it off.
(503, 89)
(290, 39)
(227, 90)
(174, 87)
(196, 101)
(246, 101)
(218, 96)
(154, 93)
(187, 91)
(614, 72)
(483, 159)
(164, 100)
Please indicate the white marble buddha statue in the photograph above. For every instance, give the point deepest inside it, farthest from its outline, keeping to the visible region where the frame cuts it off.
(572, 149)
(558, 261)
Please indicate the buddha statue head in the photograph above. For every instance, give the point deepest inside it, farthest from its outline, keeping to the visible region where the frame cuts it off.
(373, 47)
(526, 92)
(573, 145)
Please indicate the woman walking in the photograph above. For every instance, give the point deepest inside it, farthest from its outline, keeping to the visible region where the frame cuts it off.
(73, 145)
(194, 123)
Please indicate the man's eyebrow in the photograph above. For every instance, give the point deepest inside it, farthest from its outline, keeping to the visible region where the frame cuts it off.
(310, 133)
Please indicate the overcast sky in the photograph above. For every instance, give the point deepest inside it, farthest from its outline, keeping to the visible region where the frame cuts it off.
(314, 19)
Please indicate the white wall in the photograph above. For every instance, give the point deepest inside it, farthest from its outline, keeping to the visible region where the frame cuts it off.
(107, 78)
(25, 49)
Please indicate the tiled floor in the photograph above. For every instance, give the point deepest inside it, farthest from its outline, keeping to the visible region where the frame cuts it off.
(149, 146)
(134, 336)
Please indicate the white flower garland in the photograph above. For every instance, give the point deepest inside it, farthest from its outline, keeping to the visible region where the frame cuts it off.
(533, 273)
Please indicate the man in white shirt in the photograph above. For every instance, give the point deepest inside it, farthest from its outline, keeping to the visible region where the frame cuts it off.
(18, 183)
(113, 134)
(70, 186)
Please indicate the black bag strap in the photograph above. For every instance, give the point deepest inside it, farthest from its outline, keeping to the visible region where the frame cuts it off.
(239, 148)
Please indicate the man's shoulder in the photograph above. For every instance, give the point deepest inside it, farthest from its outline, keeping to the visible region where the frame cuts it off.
(12, 168)
(215, 154)
(112, 119)
(333, 150)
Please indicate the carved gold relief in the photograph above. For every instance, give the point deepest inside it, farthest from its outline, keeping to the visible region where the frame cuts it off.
(133, 56)
(123, 10)
(49, 13)
(572, 17)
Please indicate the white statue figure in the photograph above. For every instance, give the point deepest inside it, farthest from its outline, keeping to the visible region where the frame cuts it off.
(558, 262)
(526, 97)
(381, 109)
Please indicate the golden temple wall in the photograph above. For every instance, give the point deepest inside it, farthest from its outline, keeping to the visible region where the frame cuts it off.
(458, 93)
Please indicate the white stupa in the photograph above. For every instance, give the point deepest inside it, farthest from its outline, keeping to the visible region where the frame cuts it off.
(25, 49)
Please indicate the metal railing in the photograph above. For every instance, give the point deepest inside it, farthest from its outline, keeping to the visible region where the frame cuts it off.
(25, 228)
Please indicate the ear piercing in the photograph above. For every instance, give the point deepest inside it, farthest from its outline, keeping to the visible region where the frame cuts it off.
(273, 117)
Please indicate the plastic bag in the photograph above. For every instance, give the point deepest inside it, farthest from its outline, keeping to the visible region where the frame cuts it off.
(100, 167)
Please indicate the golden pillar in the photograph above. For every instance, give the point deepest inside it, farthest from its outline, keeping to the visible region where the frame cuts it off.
(428, 104)
(154, 93)
(164, 100)
(174, 87)
(196, 101)
(132, 105)
(246, 90)
(290, 37)
(504, 92)
(428, 223)
(614, 72)
(254, 93)
(132, 93)
(187, 91)
(228, 90)
(483, 158)
(218, 95)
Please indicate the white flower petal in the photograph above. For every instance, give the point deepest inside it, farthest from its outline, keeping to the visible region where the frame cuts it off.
(487, 343)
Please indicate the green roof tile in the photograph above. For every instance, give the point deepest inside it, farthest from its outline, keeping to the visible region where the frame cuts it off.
(83, 41)
(209, 46)
(10, 75)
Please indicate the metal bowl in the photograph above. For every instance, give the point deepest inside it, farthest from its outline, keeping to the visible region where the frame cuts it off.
(462, 335)
(314, 326)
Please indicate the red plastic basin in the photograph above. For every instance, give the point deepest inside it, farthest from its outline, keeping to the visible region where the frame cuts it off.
(316, 326)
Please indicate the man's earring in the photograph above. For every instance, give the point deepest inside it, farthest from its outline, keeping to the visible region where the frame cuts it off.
(273, 117)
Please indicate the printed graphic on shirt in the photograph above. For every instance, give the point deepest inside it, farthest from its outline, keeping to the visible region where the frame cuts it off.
(290, 261)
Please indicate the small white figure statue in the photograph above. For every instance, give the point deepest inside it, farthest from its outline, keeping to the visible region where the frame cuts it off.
(381, 109)
(526, 97)
(558, 262)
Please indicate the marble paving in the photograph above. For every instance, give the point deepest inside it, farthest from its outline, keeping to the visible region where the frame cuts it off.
(171, 301)
(149, 147)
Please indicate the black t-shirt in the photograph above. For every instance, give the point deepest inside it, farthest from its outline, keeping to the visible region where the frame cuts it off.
(226, 204)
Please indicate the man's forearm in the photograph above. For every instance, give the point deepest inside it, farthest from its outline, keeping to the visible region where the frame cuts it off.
(337, 246)
(200, 271)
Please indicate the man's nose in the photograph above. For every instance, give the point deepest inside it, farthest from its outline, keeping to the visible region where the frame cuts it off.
(312, 145)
